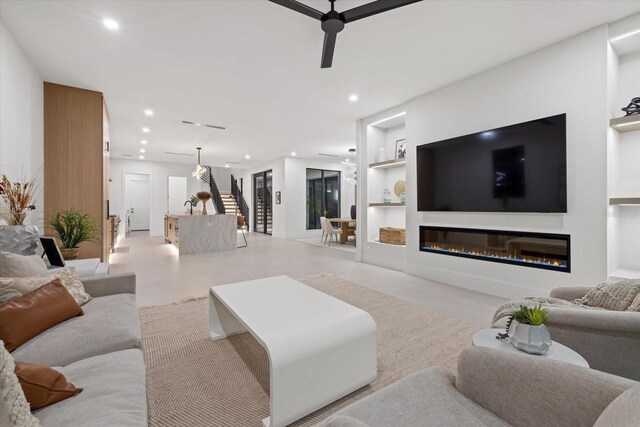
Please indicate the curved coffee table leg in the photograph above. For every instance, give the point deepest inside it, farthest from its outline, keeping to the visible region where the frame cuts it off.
(222, 323)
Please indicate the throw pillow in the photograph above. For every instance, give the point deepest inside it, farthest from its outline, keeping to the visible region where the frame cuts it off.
(624, 411)
(13, 403)
(616, 296)
(43, 386)
(13, 287)
(25, 317)
(635, 305)
(14, 265)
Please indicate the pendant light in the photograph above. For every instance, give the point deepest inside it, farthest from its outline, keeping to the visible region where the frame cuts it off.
(200, 170)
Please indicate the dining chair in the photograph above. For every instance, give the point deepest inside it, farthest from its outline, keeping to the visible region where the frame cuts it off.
(322, 218)
(329, 231)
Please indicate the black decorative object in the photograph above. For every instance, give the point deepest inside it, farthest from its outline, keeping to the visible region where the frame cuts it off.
(353, 211)
(633, 108)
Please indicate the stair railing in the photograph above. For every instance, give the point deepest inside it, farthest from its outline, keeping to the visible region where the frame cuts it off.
(240, 201)
(207, 178)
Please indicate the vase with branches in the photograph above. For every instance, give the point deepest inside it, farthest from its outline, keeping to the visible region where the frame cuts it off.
(17, 199)
(73, 227)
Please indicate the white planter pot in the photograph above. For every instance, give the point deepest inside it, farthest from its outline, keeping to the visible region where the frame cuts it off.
(19, 239)
(529, 338)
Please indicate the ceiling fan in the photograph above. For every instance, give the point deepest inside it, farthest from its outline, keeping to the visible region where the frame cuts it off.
(333, 21)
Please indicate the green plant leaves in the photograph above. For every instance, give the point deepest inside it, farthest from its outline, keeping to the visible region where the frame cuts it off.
(73, 227)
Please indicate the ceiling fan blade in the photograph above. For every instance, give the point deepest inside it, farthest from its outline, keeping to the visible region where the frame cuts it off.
(373, 8)
(300, 8)
(327, 50)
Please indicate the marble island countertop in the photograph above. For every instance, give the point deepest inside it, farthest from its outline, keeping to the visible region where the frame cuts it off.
(205, 233)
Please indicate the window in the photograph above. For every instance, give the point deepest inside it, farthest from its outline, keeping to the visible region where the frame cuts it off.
(323, 196)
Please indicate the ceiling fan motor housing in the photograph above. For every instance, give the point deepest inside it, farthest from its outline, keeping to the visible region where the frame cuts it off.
(332, 22)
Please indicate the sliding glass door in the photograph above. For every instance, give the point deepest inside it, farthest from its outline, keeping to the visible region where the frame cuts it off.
(263, 202)
(323, 196)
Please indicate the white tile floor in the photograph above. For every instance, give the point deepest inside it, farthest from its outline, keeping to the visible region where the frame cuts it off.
(164, 277)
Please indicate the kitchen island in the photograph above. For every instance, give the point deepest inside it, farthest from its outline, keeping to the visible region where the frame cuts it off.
(199, 234)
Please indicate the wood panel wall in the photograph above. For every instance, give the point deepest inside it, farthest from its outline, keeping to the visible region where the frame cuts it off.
(75, 158)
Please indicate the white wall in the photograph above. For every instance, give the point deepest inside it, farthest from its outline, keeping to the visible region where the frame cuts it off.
(21, 116)
(568, 77)
(159, 172)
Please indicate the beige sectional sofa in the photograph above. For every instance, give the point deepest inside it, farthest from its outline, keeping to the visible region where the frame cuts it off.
(99, 352)
(498, 388)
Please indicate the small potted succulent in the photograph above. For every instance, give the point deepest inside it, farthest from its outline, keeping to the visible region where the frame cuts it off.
(526, 330)
(72, 228)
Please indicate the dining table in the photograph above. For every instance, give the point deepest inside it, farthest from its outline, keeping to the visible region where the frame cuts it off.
(344, 226)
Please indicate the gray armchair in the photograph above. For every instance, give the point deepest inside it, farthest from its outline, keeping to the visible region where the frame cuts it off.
(498, 388)
(608, 340)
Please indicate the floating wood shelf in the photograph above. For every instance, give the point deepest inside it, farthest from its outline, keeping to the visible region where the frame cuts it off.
(626, 124)
(386, 205)
(624, 201)
(395, 163)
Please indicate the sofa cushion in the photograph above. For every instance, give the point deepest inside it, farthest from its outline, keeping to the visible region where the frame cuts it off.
(109, 324)
(42, 385)
(13, 287)
(15, 265)
(25, 317)
(114, 393)
(616, 296)
(622, 412)
(425, 398)
(14, 408)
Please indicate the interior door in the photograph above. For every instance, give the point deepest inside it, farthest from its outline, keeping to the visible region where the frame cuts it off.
(138, 191)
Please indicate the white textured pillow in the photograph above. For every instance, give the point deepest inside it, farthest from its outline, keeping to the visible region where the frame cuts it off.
(13, 287)
(615, 296)
(14, 265)
(14, 405)
(635, 305)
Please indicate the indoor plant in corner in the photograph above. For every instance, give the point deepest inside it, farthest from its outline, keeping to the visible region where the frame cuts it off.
(526, 330)
(72, 228)
(16, 202)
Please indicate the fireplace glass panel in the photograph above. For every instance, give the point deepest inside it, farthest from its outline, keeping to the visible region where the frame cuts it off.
(539, 250)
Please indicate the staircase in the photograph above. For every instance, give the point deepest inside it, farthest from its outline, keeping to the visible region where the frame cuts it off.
(230, 205)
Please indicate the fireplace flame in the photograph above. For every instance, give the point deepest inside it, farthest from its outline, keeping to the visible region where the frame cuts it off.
(497, 255)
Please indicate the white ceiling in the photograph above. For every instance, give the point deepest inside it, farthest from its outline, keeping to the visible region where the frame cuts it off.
(254, 66)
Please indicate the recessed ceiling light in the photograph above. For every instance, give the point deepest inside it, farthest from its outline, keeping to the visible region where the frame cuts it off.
(353, 97)
(293, 153)
(141, 157)
(346, 160)
(226, 166)
(247, 156)
(142, 150)
(148, 112)
(146, 130)
(111, 24)
(144, 142)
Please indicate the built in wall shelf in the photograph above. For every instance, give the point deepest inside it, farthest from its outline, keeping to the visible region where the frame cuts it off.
(387, 205)
(625, 274)
(624, 201)
(626, 123)
(388, 245)
(395, 163)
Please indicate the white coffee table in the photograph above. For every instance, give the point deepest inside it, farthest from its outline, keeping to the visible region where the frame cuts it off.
(557, 351)
(320, 348)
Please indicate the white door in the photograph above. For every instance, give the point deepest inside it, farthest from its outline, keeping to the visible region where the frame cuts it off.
(138, 195)
(176, 194)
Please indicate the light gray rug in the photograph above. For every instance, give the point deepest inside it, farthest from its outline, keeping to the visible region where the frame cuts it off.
(194, 381)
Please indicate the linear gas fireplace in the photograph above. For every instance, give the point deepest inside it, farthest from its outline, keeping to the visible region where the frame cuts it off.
(538, 250)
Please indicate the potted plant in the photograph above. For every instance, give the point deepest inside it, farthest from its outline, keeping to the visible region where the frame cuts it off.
(526, 330)
(72, 228)
(17, 201)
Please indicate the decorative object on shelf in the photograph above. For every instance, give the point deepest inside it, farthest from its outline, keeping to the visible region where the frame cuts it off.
(401, 148)
(72, 228)
(386, 196)
(526, 330)
(204, 196)
(393, 236)
(353, 212)
(633, 108)
(200, 170)
(278, 197)
(15, 205)
(380, 156)
(403, 198)
(400, 187)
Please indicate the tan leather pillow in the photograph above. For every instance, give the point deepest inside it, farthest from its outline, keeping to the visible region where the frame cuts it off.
(25, 317)
(43, 386)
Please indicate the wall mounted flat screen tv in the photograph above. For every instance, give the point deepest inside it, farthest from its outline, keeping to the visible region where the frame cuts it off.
(517, 168)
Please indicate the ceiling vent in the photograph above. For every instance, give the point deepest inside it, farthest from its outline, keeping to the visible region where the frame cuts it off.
(327, 155)
(186, 122)
(127, 155)
(178, 154)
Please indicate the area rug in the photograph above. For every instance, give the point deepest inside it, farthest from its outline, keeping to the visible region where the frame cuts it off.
(194, 381)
